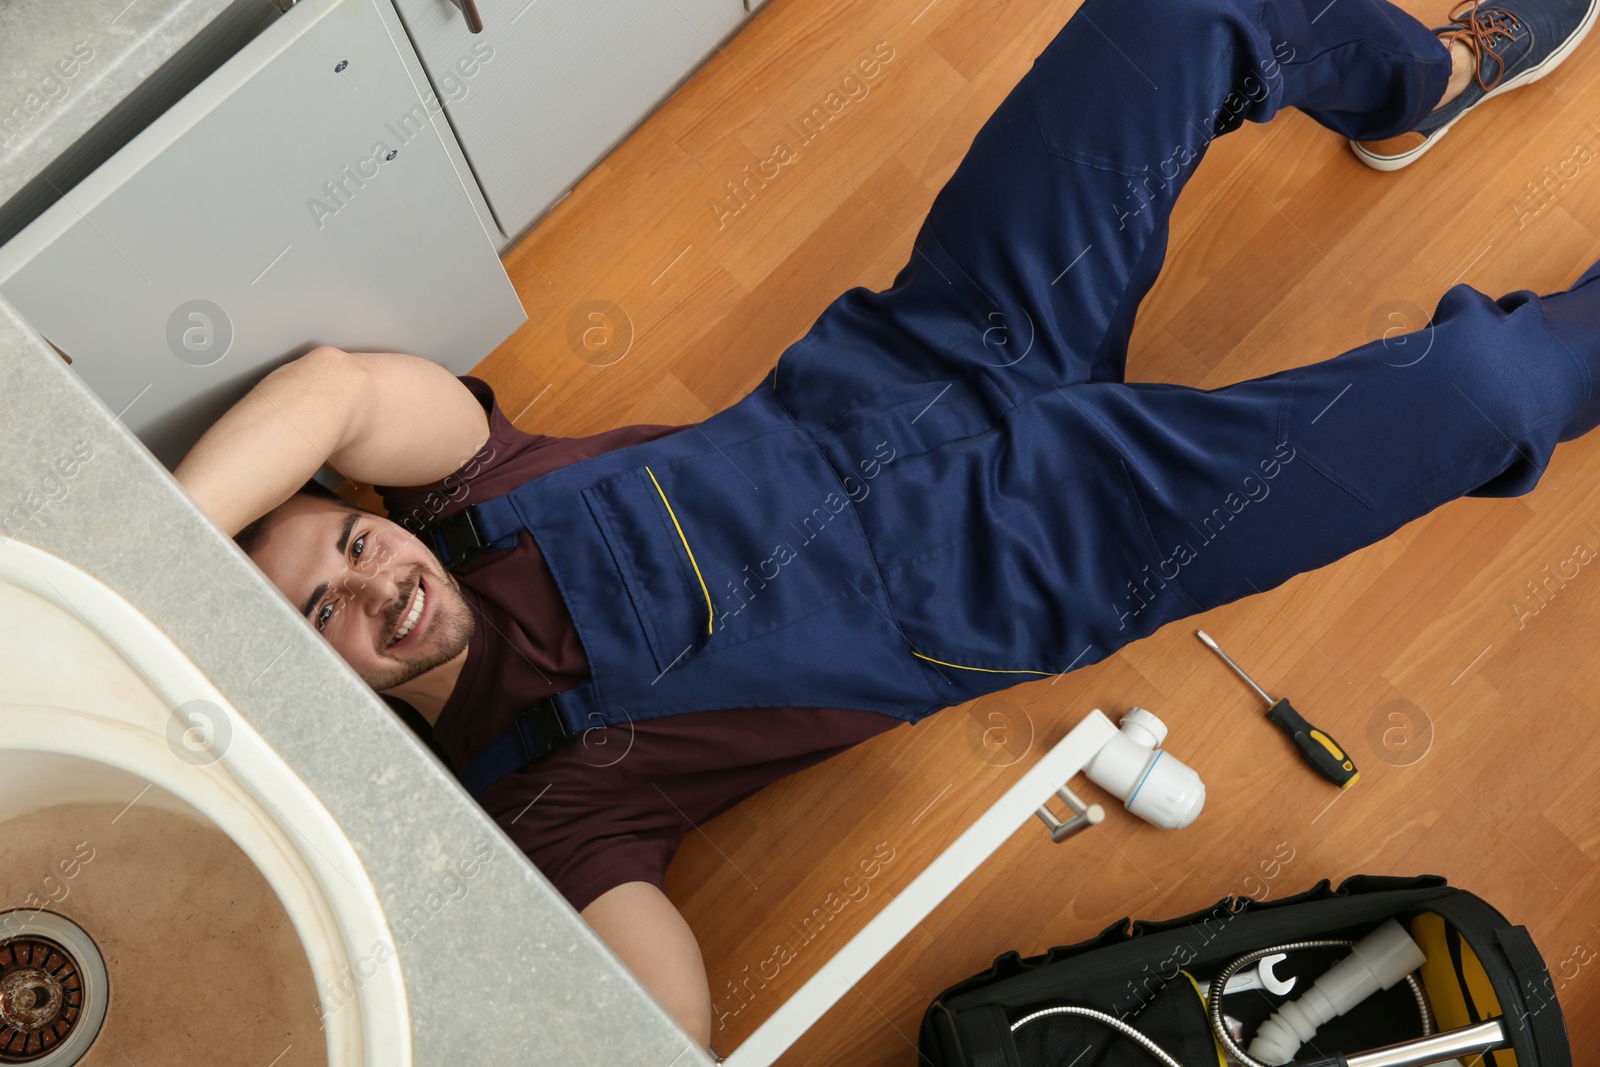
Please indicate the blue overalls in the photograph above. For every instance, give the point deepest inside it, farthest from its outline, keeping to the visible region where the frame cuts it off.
(946, 488)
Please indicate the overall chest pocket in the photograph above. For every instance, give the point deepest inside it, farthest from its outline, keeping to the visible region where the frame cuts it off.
(730, 544)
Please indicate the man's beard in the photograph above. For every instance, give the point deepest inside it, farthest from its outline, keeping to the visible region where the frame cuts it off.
(451, 627)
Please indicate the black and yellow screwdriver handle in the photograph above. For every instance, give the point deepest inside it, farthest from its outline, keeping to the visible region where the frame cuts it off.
(1316, 747)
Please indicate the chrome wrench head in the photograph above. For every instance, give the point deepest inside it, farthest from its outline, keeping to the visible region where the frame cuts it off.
(1269, 981)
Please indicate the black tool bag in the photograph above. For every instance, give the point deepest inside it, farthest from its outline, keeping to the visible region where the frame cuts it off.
(1479, 967)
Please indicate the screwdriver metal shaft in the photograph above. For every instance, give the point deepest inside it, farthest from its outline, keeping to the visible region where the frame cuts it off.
(1321, 751)
(1212, 645)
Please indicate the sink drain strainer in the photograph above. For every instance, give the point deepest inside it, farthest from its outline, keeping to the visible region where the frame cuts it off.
(52, 990)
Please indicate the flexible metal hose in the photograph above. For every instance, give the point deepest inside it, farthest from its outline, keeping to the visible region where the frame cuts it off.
(1220, 983)
(1110, 1020)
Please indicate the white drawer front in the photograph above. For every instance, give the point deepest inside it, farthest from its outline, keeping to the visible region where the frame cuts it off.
(259, 217)
(550, 86)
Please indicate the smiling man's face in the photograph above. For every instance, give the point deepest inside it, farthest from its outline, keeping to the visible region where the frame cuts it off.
(368, 586)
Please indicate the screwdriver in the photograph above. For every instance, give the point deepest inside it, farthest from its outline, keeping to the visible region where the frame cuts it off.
(1316, 747)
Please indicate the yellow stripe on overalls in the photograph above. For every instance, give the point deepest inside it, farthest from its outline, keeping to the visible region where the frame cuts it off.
(985, 670)
(710, 612)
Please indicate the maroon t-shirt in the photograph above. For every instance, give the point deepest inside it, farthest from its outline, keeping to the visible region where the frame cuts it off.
(591, 815)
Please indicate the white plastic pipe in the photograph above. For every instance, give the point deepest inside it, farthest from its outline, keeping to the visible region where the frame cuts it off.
(926, 891)
(1377, 961)
(1154, 785)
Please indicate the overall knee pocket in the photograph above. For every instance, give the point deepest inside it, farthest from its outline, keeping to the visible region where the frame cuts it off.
(1476, 397)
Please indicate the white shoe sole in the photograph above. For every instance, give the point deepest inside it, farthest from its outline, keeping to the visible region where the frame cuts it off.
(1527, 77)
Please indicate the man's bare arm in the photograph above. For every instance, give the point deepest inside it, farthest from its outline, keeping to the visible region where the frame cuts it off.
(641, 925)
(385, 418)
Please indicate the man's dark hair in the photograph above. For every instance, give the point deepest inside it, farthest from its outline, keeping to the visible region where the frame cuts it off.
(254, 535)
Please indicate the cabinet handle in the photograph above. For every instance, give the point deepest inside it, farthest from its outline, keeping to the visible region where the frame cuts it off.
(469, 8)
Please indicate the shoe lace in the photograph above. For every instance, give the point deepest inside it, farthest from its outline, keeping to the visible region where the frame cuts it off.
(1478, 31)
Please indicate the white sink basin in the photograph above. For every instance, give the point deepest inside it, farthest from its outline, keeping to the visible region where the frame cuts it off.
(88, 694)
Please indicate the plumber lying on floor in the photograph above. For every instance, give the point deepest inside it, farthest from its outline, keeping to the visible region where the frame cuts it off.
(904, 516)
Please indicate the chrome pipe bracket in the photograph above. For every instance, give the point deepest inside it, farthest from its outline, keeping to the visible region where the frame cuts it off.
(1083, 816)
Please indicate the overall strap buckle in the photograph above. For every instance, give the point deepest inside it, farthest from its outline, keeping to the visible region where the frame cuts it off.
(538, 728)
(456, 538)
(533, 734)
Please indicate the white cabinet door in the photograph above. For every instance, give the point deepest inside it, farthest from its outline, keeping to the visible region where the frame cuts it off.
(299, 196)
(550, 86)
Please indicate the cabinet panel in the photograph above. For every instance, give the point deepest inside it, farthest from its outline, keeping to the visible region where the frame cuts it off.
(301, 195)
(550, 86)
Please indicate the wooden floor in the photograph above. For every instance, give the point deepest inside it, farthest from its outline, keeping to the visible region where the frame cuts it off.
(1469, 700)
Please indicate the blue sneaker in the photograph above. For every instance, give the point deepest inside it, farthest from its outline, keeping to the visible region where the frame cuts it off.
(1517, 42)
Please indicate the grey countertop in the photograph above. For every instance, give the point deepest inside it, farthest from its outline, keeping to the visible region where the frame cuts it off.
(65, 64)
(508, 973)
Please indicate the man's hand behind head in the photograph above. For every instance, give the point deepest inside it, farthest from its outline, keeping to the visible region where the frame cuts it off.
(368, 585)
(384, 418)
